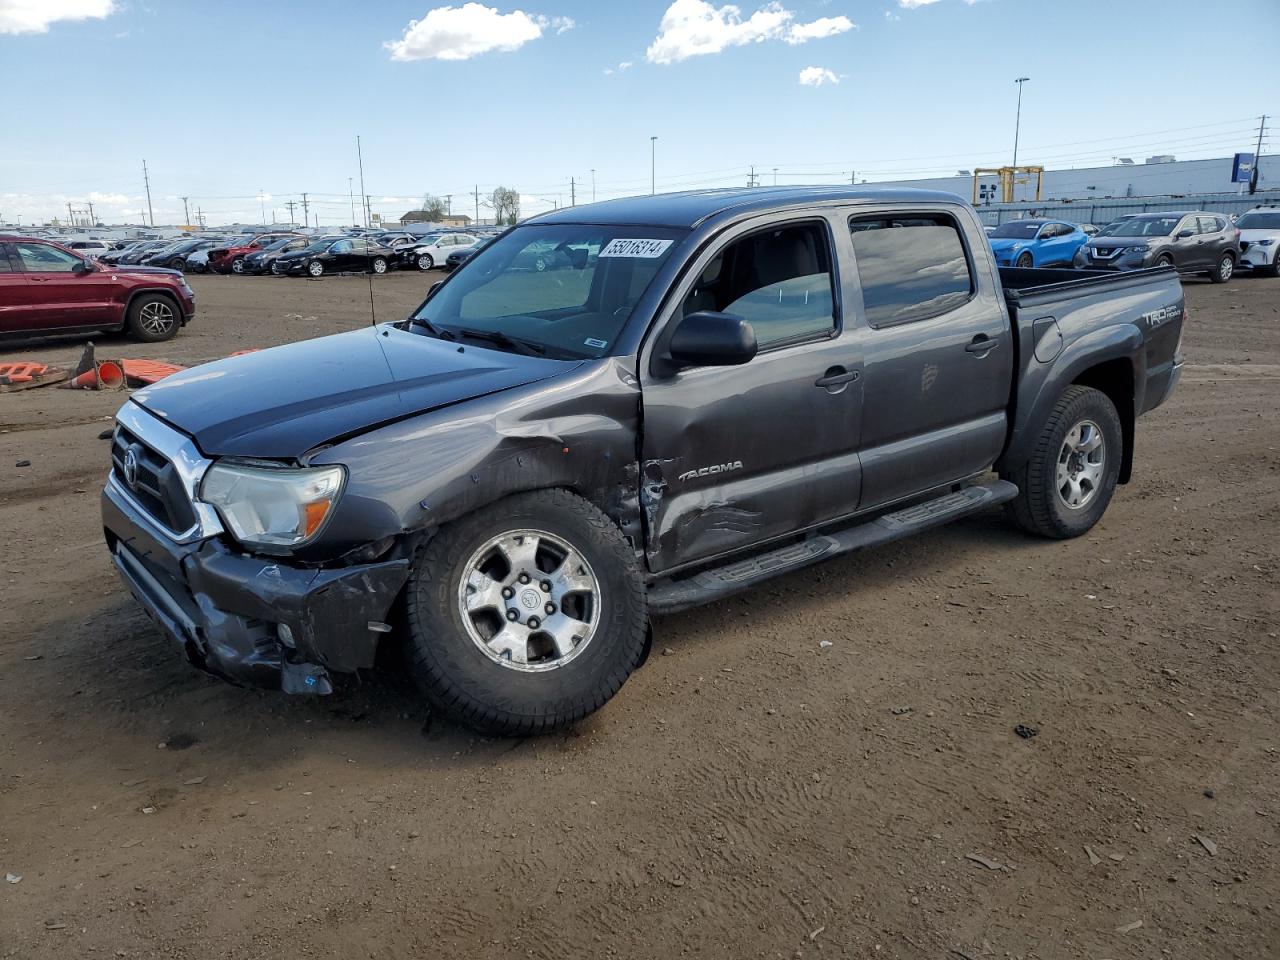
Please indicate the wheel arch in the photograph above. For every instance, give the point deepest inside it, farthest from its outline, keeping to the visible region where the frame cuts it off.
(1115, 378)
(142, 292)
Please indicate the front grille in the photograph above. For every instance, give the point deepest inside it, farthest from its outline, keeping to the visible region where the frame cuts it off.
(1105, 253)
(156, 486)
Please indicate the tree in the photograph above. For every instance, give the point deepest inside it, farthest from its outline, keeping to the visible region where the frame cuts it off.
(506, 205)
(433, 208)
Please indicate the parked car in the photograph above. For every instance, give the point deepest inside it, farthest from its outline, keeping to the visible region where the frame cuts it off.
(434, 250)
(135, 254)
(335, 255)
(175, 256)
(114, 256)
(90, 248)
(514, 479)
(1088, 228)
(230, 257)
(1192, 241)
(1036, 243)
(462, 254)
(261, 261)
(1260, 239)
(46, 288)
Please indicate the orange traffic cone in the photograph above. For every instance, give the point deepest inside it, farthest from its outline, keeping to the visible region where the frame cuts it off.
(106, 374)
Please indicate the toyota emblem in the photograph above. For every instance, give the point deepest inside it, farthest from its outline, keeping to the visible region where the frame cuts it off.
(131, 468)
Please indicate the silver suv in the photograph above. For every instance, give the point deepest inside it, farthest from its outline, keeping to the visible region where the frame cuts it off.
(1192, 241)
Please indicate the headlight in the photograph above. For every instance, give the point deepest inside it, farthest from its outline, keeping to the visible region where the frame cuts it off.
(1143, 248)
(1264, 243)
(272, 506)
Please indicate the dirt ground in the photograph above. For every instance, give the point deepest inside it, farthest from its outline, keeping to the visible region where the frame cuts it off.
(748, 793)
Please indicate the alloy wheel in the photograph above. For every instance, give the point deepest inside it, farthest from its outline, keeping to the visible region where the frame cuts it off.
(1081, 464)
(156, 318)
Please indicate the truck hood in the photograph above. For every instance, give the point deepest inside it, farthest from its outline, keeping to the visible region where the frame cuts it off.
(283, 402)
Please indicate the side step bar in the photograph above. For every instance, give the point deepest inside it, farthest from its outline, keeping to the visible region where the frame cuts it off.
(669, 596)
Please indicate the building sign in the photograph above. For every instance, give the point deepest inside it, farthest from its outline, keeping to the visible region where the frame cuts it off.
(1242, 168)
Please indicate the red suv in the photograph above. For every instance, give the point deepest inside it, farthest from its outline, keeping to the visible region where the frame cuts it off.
(46, 288)
(222, 259)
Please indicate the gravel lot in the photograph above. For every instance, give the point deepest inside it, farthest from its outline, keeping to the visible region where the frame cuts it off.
(748, 794)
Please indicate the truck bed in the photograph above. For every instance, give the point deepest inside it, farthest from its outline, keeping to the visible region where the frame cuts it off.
(1033, 285)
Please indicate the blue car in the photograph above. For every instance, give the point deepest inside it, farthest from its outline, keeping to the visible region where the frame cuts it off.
(1036, 243)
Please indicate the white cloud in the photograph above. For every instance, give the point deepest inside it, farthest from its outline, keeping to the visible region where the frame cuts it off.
(692, 28)
(34, 16)
(817, 76)
(459, 33)
(913, 4)
(817, 29)
(624, 65)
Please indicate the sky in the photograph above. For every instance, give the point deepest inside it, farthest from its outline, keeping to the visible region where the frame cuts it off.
(243, 105)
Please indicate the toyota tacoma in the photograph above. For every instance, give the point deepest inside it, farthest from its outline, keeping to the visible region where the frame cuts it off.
(729, 385)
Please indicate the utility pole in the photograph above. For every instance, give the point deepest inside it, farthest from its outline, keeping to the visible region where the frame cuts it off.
(477, 204)
(352, 197)
(448, 204)
(291, 204)
(306, 212)
(186, 210)
(368, 210)
(71, 217)
(147, 180)
(262, 202)
(93, 218)
(573, 192)
(1017, 123)
(360, 157)
(1257, 155)
(593, 184)
(775, 176)
(653, 165)
(200, 216)
(751, 177)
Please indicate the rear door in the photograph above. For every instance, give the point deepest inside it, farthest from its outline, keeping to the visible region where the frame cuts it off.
(60, 296)
(938, 351)
(1217, 239)
(1058, 243)
(735, 456)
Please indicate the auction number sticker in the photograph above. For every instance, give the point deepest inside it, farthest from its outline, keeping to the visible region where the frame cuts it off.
(636, 249)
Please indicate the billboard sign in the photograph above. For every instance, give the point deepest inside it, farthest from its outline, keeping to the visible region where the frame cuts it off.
(1242, 168)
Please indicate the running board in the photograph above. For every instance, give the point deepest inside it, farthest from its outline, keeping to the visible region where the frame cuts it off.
(668, 596)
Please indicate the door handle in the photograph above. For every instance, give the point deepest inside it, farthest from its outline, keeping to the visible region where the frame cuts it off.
(835, 377)
(982, 344)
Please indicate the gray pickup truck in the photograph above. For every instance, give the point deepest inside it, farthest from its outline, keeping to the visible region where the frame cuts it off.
(615, 411)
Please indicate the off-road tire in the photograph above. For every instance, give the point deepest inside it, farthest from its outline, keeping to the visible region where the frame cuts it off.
(460, 680)
(1038, 508)
(143, 327)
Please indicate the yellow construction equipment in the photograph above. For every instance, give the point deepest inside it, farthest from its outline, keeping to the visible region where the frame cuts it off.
(1008, 180)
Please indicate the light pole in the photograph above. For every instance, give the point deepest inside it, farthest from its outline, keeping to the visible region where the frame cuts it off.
(653, 165)
(1017, 124)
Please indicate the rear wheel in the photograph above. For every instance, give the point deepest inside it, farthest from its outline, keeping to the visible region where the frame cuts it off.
(1066, 485)
(527, 615)
(153, 317)
(1025, 259)
(315, 268)
(425, 262)
(1224, 269)
(379, 265)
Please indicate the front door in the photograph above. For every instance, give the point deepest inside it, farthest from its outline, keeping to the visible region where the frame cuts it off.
(939, 353)
(735, 456)
(16, 307)
(62, 295)
(1189, 251)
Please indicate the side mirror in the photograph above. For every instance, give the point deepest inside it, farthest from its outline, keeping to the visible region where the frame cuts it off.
(709, 339)
(1183, 234)
(83, 266)
(434, 287)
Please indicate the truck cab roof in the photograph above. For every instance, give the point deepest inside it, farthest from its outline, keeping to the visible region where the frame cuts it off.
(691, 208)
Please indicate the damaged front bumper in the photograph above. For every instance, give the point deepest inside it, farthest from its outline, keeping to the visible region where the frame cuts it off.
(252, 620)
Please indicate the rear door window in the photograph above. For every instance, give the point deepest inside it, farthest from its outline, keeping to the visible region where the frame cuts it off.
(779, 280)
(911, 267)
(41, 258)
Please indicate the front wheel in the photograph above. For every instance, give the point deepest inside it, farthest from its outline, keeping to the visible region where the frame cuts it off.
(237, 265)
(1025, 260)
(153, 318)
(315, 268)
(1065, 486)
(1164, 260)
(525, 616)
(425, 262)
(1224, 269)
(379, 265)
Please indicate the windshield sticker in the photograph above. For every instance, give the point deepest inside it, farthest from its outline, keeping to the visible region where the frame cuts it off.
(636, 249)
(598, 344)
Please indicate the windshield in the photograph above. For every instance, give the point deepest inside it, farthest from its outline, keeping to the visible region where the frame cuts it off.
(1143, 227)
(565, 289)
(1016, 230)
(1259, 221)
(278, 244)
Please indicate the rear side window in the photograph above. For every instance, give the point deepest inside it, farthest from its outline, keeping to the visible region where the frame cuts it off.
(779, 280)
(911, 267)
(39, 258)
